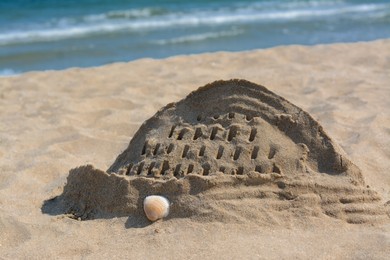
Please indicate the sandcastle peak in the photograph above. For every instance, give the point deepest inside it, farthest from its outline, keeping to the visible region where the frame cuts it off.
(232, 127)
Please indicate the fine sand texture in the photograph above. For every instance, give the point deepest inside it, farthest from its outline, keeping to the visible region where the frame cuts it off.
(298, 169)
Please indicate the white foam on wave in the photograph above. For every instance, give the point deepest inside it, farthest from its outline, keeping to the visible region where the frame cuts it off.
(150, 19)
(199, 37)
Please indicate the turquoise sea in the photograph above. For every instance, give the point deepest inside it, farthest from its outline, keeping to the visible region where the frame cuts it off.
(57, 34)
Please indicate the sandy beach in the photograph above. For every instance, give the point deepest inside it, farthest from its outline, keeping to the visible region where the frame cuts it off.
(53, 121)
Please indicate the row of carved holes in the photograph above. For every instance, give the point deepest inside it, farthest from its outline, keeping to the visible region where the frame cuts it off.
(206, 169)
(165, 167)
(198, 133)
(157, 148)
(202, 150)
(230, 116)
(238, 171)
(275, 169)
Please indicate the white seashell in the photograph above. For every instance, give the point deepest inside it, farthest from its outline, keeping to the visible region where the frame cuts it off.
(156, 207)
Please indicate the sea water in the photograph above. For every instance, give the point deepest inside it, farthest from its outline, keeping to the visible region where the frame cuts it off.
(57, 34)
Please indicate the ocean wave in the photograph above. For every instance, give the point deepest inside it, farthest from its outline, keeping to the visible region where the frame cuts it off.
(126, 14)
(199, 37)
(138, 20)
(8, 72)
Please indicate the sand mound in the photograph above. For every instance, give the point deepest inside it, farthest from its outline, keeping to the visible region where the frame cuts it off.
(231, 150)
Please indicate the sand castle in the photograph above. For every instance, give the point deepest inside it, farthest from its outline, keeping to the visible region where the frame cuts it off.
(229, 150)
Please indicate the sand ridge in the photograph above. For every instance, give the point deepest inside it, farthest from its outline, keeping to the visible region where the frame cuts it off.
(227, 152)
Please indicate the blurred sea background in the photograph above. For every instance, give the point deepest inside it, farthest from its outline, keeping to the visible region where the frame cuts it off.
(58, 34)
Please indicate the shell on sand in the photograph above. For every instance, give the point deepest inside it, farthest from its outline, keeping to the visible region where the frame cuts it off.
(156, 207)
